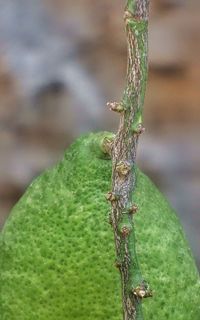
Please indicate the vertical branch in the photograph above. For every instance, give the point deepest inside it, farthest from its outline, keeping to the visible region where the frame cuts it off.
(134, 288)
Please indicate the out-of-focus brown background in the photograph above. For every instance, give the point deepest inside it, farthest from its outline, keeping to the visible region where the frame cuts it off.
(62, 60)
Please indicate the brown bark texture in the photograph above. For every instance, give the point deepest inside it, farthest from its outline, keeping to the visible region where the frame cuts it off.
(123, 153)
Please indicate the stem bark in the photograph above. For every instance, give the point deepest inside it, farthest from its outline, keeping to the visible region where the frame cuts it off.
(123, 153)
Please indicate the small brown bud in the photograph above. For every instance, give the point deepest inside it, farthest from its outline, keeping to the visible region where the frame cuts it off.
(106, 145)
(128, 16)
(117, 264)
(142, 291)
(125, 231)
(110, 196)
(139, 129)
(115, 106)
(133, 209)
(110, 220)
(123, 168)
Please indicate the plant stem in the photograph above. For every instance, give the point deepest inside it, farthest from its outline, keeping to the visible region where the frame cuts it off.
(124, 146)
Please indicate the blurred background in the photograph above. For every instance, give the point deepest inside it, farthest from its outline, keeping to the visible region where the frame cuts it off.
(62, 60)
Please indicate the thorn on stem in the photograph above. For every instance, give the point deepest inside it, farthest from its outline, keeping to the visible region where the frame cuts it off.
(115, 106)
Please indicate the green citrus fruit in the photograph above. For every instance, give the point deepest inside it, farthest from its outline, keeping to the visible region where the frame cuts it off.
(57, 248)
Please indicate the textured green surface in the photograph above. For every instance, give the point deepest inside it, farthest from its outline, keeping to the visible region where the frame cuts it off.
(57, 256)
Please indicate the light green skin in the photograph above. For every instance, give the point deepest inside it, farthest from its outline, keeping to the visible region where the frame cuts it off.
(57, 257)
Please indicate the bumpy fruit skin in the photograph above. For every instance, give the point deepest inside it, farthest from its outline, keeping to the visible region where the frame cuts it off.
(57, 248)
